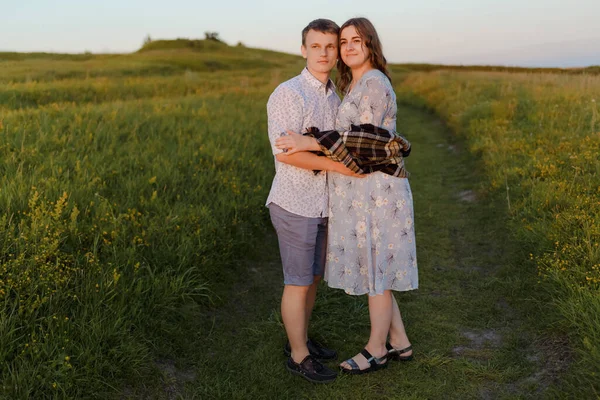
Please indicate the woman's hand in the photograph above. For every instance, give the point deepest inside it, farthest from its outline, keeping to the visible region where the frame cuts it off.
(294, 142)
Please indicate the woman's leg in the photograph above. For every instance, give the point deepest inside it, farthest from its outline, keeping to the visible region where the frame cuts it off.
(380, 313)
(398, 337)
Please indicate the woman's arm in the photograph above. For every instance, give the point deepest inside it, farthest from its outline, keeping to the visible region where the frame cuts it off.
(312, 161)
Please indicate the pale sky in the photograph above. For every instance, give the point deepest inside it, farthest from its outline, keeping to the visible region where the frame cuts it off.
(503, 32)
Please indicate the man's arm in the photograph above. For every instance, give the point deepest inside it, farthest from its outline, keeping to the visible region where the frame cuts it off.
(285, 113)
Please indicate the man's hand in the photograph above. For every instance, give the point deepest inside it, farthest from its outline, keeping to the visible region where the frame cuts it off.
(294, 142)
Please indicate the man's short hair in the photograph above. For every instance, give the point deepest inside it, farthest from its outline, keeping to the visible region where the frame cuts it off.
(320, 25)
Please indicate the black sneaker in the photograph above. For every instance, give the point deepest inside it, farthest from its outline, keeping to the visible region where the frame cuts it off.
(311, 369)
(315, 349)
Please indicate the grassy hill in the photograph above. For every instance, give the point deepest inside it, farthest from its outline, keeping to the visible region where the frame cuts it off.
(167, 57)
(158, 58)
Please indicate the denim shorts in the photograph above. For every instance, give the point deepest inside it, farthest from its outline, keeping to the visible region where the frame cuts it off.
(302, 244)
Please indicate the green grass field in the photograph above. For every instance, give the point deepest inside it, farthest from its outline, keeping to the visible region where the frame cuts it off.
(538, 136)
(138, 260)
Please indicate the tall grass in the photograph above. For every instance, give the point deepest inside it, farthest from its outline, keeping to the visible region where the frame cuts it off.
(126, 203)
(539, 138)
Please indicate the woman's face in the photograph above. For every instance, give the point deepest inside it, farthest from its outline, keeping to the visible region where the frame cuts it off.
(352, 49)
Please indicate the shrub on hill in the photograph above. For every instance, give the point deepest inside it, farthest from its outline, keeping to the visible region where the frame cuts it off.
(179, 43)
(594, 69)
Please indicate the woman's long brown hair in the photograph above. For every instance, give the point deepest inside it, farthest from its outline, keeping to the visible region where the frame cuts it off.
(371, 41)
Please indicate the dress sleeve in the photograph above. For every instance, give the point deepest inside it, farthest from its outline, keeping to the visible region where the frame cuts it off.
(284, 112)
(374, 105)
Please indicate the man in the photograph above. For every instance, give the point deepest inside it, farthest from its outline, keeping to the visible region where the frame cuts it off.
(298, 199)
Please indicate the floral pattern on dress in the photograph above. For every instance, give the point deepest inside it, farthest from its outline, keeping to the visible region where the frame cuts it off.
(371, 239)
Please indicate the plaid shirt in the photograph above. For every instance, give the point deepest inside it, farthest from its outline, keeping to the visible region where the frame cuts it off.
(365, 149)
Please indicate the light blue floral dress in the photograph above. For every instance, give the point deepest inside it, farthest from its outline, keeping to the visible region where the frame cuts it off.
(371, 239)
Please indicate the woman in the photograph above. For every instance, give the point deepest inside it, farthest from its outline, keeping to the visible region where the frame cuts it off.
(371, 239)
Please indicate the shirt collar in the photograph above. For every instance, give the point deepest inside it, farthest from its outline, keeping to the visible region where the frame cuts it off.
(317, 84)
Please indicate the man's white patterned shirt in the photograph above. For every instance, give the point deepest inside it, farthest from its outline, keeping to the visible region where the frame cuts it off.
(297, 104)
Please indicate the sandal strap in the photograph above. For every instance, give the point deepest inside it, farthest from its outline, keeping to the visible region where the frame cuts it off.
(372, 360)
(369, 357)
(353, 364)
(391, 349)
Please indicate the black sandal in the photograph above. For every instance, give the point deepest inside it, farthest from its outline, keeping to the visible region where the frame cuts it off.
(376, 364)
(394, 354)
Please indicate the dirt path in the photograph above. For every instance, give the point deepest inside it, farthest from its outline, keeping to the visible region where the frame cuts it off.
(468, 321)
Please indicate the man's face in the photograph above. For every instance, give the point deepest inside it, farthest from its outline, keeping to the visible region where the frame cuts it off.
(320, 50)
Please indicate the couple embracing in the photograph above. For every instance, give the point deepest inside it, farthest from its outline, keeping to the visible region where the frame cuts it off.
(340, 201)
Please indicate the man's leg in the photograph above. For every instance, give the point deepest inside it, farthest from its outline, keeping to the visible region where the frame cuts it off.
(297, 242)
(318, 267)
(294, 313)
(310, 301)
